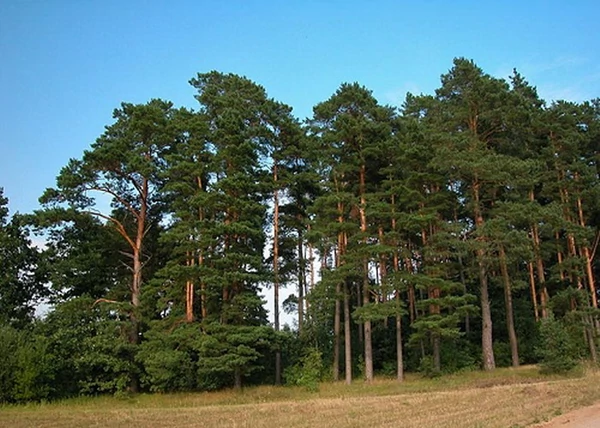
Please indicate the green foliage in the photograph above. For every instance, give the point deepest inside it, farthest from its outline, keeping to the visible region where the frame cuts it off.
(378, 311)
(502, 354)
(427, 367)
(26, 367)
(34, 373)
(108, 367)
(169, 359)
(459, 355)
(227, 353)
(307, 372)
(82, 255)
(11, 340)
(20, 283)
(90, 347)
(556, 349)
(480, 189)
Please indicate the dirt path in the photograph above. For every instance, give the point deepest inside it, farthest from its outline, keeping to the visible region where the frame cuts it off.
(588, 417)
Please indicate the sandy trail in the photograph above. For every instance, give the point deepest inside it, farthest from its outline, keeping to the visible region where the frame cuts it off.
(587, 417)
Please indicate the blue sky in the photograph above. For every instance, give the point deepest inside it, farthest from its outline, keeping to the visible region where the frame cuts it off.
(65, 65)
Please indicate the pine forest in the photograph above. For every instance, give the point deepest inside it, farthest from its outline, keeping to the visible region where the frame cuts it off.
(457, 231)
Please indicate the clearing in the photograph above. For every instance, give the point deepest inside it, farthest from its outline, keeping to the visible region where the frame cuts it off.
(503, 398)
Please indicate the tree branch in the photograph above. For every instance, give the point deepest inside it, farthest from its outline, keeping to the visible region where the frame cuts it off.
(596, 241)
(120, 227)
(105, 301)
(117, 197)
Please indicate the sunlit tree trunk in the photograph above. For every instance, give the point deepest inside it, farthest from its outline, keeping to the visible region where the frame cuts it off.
(276, 270)
(510, 322)
(486, 314)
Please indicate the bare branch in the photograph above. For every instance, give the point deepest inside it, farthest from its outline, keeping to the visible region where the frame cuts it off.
(129, 268)
(125, 253)
(120, 227)
(596, 241)
(126, 204)
(105, 301)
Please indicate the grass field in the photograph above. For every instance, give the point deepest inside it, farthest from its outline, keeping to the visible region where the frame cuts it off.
(503, 398)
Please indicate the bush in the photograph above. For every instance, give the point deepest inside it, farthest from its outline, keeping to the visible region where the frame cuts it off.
(227, 354)
(307, 372)
(25, 367)
(168, 360)
(427, 367)
(389, 368)
(502, 354)
(10, 339)
(89, 347)
(556, 348)
(459, 354)
(34, 374)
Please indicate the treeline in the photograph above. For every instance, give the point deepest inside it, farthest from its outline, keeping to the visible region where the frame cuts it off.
(456, 232)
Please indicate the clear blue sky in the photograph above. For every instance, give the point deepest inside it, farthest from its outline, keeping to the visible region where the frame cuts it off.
(65, 65)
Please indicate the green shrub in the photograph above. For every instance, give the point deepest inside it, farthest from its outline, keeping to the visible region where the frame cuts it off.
(168, 359)
(556, 348)
(502, 354)
(459, 354)
(34, 374)
(10, 339)
(389, 368)
(307, 372)
(25, 366)
(427, 367)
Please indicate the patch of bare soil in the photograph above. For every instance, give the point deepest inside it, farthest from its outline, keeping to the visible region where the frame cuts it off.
(587, 417)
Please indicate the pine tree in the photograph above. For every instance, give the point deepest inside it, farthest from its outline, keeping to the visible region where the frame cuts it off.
(124, 167)
(353, 127)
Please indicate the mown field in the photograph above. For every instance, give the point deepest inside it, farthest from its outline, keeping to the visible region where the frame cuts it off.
(503, 398)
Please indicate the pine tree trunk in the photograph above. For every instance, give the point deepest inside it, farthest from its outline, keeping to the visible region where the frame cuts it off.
(412, 303)
(382, 274)
(189, 291)
(412, 299)
(533, 291)
(337, 315)
(510, 322)
(203, 296)
(559, 258)
(301, 280)
(585, 252)
(464, 284)
(312, 269)
(365, 285)
(396, 268)
(189, 301)
(486, 315)
(539, 263)
(437, 361)
(347, 336)
(486, 319)
(367, 328)
(399, 356)
(361, 329)
(571, 246)
(237, 379)
(463, 281)
(337, 334)
(136, 285)
(276, 271)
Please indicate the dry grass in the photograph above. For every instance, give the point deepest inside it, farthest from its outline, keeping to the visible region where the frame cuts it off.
(504, 398)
